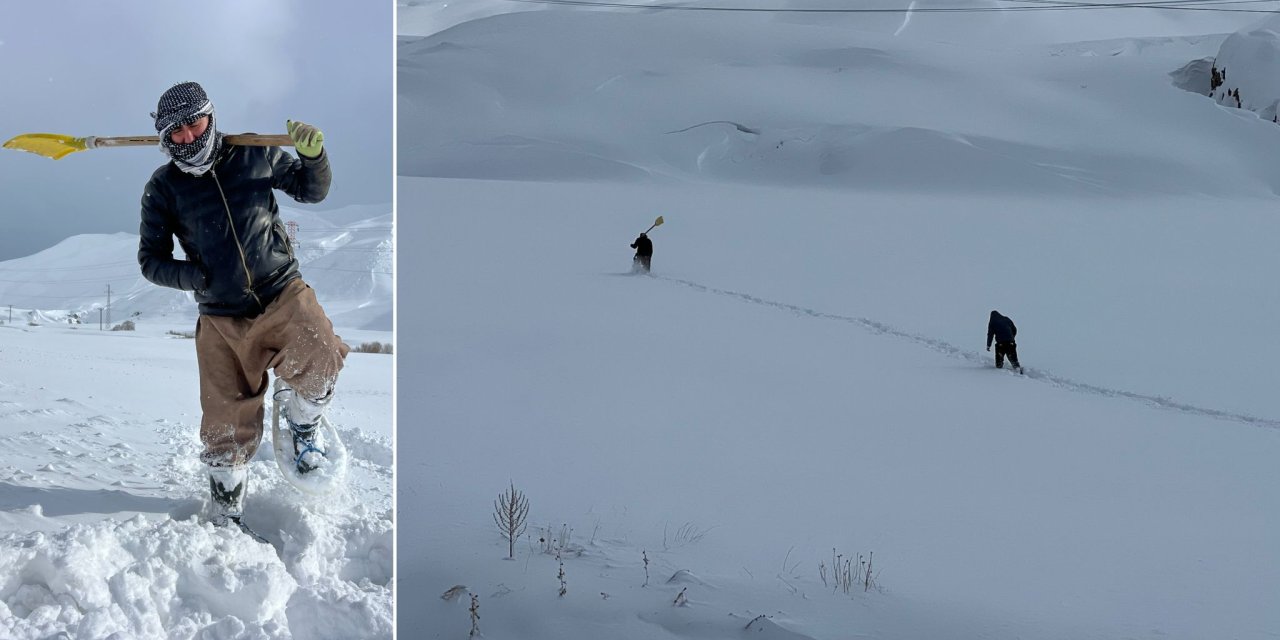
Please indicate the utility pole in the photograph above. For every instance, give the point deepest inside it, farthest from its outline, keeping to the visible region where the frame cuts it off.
(292, 227)
(99, 319)
(10, 314)
(108, 303)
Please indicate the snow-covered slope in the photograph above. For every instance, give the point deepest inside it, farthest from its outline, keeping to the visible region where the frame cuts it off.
(805, 371)
(101, 489)
(346, 256)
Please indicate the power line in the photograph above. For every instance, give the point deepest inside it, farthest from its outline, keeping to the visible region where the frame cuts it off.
(310, 268)
(363, 228)
(80, 297)
(79, 281)
(1173, 5)
(86, 267)
(1203, 5)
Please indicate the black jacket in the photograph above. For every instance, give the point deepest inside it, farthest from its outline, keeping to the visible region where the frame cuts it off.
(643, 246)
(1001, 328)
(238, 256)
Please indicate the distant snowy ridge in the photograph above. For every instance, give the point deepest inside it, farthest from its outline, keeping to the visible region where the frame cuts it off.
(346, 257)
(473, 113)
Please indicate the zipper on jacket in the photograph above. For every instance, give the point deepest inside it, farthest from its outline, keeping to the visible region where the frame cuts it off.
(244, 261)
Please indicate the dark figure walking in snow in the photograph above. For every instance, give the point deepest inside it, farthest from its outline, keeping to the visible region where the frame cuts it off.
(644, 253)
(256, 313)
(1003, 330)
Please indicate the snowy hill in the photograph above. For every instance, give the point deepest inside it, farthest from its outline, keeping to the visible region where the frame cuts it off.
(346, 256)
(804, 375)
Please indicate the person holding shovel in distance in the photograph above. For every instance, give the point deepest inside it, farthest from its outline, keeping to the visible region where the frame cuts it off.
(256, 312)
(644, 250)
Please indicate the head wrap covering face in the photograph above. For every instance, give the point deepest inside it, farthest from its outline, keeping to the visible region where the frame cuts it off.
(181, 105)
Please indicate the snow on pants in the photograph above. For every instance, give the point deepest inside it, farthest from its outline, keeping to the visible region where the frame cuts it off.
(642, 263)
(1009, 349)
(293, 337)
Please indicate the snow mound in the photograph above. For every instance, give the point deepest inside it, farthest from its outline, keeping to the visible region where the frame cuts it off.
(764, 628)
(1250, 60)
(687, 622)
(684, 576)
(1194, 76)
(140, 578)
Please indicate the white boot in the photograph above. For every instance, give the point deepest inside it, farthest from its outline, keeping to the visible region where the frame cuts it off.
(227, 488)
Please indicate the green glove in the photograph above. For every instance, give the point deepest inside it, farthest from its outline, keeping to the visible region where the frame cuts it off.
(307, 139)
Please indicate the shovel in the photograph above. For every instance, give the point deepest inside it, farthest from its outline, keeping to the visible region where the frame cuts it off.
(56, 145)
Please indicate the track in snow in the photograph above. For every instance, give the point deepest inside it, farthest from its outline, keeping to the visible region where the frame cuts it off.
(980, 358)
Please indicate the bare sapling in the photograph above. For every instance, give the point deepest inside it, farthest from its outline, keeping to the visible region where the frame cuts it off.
(644, 554)
(511, 511)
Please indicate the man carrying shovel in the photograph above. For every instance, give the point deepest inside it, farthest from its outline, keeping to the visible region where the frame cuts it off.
(644, 250)
(256, 313)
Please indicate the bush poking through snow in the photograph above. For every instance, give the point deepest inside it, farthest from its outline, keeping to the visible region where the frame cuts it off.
(687, 534)
(844, 573)
(564, 586)
(475, 616)
(552, 543)
(680, 600)
(127, 325)
(373, 347)
(511, 510)
(182, 334)
(644, 554)
(453, 592)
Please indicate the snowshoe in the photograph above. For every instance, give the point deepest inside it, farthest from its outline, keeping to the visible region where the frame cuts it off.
(235, 520)
(311, 457)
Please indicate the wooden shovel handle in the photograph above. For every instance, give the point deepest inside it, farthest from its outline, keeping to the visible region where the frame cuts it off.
(240, 139)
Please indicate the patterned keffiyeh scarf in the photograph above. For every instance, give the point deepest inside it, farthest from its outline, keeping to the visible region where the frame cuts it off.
(182, 105)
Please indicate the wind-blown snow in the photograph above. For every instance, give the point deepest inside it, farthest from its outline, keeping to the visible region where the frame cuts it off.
(804, 371)
(101, 491)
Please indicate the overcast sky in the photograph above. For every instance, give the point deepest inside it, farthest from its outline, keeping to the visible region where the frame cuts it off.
(84, 67)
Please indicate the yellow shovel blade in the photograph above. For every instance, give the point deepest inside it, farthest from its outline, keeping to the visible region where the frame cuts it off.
(49, 145)
(658, 221)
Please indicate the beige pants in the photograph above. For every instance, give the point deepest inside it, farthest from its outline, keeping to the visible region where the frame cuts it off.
(293, 337)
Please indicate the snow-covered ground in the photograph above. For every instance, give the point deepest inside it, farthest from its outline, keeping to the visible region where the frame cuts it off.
(803, 374)
(100, 487)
